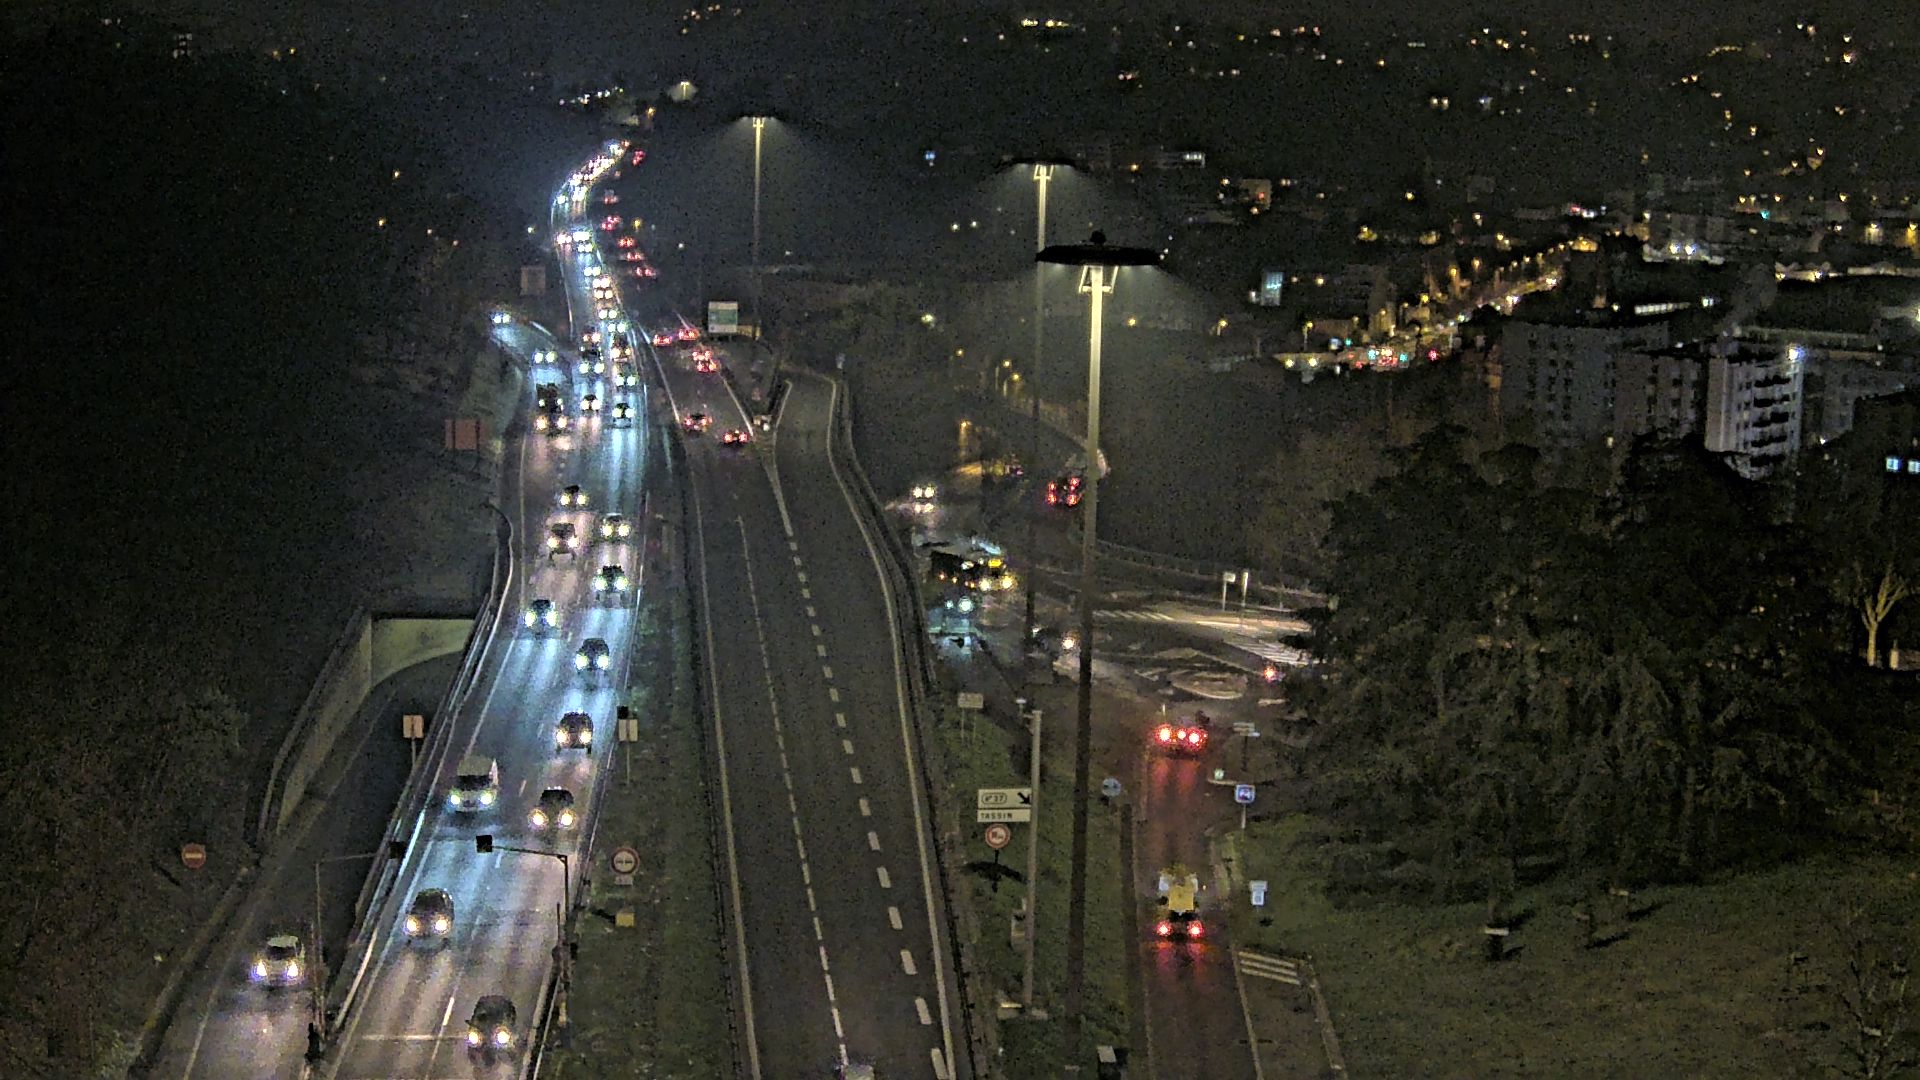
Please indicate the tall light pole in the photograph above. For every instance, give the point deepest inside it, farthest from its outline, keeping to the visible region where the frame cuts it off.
(395, 849)
(1099, 264)
(1042, 175)
(759, 130)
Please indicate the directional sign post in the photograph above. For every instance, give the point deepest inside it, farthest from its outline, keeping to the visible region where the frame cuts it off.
(1247, 733)
(626, 731)
(1243, 794)
(1004, 804)
(413, 728)
(1259, 889)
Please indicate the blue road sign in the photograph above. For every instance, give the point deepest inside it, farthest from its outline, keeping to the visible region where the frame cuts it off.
(1243, 793)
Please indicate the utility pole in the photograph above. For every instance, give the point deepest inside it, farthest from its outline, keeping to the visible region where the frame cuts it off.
(1033, 865)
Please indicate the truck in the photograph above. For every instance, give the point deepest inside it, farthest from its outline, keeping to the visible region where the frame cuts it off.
(1179, 906)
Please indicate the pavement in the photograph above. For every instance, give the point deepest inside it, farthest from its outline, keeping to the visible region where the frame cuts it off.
(838, 946)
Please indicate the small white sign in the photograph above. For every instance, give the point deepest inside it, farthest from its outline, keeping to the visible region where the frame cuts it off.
(971, 701)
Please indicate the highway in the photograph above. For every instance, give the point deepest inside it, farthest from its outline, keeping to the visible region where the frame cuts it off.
(409, 1014)
(838, 948)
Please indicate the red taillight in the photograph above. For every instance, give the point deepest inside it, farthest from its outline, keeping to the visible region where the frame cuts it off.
(1164, 929)
(1195, 930)
(1195, 738)
(1165, 734)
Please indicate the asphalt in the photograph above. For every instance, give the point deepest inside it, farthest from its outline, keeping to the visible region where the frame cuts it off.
(830, 857)
(227, 1026)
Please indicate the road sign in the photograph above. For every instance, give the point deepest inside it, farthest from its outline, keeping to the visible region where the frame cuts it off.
(1229, 577)
(413, 726)
(628, 729)
(996, 797)
(972, 702)
(1259, 893)
(1243, 793)
(1017, 815)
(193, 856)
(998, 836)
(625, 860)
(1245, 729)
(1110, 788)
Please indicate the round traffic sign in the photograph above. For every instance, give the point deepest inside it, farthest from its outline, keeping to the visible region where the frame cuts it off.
(193, 856)
(625, 860)
(998, 836)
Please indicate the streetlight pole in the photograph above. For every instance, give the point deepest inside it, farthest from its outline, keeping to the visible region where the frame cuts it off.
(319, 980)
(759, 130)
(1042, 175)
(1099, 266)
(1033, 866)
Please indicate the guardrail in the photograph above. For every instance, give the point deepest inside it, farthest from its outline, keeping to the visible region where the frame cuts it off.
(275, 792)
(904, 592)
(411, 804)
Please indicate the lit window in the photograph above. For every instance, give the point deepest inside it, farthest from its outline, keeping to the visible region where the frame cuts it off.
(1913, 465)
(1893, 464)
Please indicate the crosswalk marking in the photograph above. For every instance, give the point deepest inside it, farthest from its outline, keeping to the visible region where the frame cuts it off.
(1262, 966)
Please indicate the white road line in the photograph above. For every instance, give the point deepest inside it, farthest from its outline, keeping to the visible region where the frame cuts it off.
(885, 881)
(873, 840)
(818, 934)
(792, 544)
(824, 966)
(826, 671)
(856, 773)
(840, 719)
(893, 917)
(939, 1065)
(865, 810)
(816, 629)
(916, 797)
(821, 651)
(833, 694)
(920, 1006)
(846, 746)
(811, 615)
(797, 562)
(906, 962)
(806, 594)
(812, 905)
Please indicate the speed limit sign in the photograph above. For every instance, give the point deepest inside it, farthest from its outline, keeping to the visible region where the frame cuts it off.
(998, 836)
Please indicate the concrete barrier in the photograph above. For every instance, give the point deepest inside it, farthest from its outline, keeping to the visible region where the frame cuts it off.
(401, 641)
(343, 683)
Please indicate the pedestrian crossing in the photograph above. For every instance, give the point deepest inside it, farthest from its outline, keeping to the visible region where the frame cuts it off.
(1262, 966)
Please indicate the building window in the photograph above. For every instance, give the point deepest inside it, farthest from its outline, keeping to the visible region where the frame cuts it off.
(1913, 466)
(1893, 464)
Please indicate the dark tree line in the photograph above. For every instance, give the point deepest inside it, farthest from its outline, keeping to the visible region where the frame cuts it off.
(208, 263)
(1524, 681)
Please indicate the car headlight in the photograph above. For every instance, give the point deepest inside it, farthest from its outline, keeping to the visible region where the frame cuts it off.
(566, 819)
(538, 818)
(486, 798)
(620, 583)
(259, 969)
(580, 661)
(293, 969)
(413, 924)
(453, 799)
(473, 1037)
(442, 924)
(602, 662)
(530, 615)
(584, 738)
(502, 1037)
(551, 619)
(552, 542)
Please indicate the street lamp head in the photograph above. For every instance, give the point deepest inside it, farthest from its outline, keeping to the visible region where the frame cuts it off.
(1097, 252)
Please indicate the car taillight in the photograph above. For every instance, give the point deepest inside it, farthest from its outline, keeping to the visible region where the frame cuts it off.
(1165, 734)
(1195, 738)
(1195, 930)
(1164, 929)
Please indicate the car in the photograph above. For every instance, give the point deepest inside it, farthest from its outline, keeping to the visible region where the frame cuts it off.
(554, 810)
(606, 313)
(541, 616)
(590, 403)
(562, 539)
(1066, 490)
(573, 732)
(500, 318)
(632, 256)
(621, 351)
(663, 339)
(281, 960)
(696, 422)
(638, 157)
(546, 395)
(626, 242)
(610, 223)
(1185, 737)
(609, 198)
(593, 655)
(645, 272)
(546, 356)
(688, 333)
(476, 783)
(592, 365)
(736, 437)
(615, 527)
(490, 1030)
(611, 582)
(707, 364)
(573, 498)
(624, 377)
(430, 915)
(622, 414)
(589, 339)
(551, 420)
(1179, 917)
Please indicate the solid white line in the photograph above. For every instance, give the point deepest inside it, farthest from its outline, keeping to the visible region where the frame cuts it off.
(880, 872)
(906, 962)
(1246, 1015)
(939, 1065)
(726, 797)
(920, 1006)
(893, 916)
